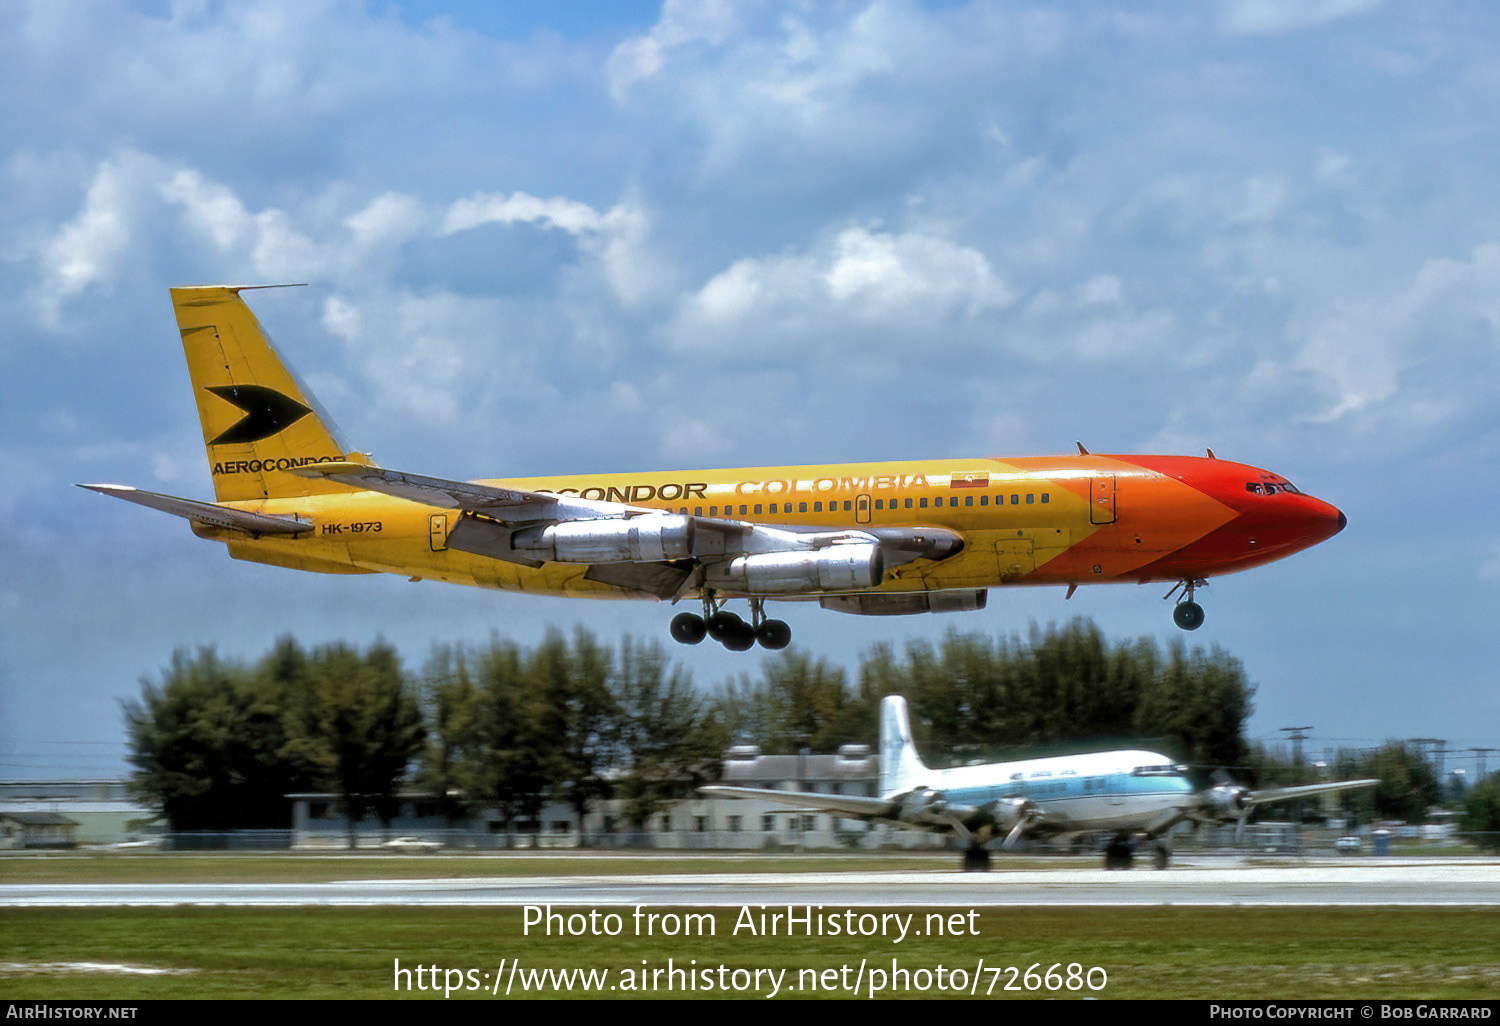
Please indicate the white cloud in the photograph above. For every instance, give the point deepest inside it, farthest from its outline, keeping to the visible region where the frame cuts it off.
(570, 216)
(691, 441)
(1361, 346)
(1271, 17)
(1265, 196)
(415, 353)
(389, 218)
(1489, 568)
(213, 210)
(861, 279)
(89, 249)
(681, 23)
(618, 238)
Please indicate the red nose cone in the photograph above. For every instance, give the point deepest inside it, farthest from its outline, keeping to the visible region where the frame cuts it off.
(1270, 520)
(1290, 521)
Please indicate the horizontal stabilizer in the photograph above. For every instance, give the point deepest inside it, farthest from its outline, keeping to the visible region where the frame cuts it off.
(204, 512)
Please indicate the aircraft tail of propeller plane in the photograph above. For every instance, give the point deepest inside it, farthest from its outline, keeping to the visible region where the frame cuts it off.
(867, 539)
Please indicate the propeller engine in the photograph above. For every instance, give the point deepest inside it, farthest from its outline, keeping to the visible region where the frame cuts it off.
(923, 801)
(1227, 801)
(1012, 816)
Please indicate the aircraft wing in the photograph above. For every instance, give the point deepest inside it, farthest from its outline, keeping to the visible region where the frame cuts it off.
(1281, 794)
(847, 805)
(505, 504)
(652, 551)
(204, 512)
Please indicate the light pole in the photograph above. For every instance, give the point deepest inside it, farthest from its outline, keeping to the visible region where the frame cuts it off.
(1298, 735)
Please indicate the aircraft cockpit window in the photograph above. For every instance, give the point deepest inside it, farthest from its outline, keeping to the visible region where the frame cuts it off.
(1271, 487)
(1167, 770)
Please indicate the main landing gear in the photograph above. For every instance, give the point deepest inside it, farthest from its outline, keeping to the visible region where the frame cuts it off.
(976, 860)
(728, 629)
(1121, 850)
(1187, 614)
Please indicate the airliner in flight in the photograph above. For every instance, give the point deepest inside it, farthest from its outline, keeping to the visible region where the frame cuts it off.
(871, 539)
(1136, 796)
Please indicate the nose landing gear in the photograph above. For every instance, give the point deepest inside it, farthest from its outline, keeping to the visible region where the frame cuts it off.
(1187, 614)
(728, 629)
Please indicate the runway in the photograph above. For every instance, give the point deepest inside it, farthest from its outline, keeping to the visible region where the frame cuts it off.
(1408, 882)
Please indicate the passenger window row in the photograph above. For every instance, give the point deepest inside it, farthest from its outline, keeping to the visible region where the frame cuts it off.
(756, 509)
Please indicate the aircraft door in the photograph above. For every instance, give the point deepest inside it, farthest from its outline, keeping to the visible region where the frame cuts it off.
(862, 509)
(437, 527)
(1102, 499)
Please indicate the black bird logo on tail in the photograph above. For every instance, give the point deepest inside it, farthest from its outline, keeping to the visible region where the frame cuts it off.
(266, 412)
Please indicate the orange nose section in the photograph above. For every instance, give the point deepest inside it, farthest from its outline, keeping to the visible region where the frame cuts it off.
(1268, 523)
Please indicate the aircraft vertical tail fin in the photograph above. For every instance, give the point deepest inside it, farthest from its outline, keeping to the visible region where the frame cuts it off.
(259, 422)
(901, 767)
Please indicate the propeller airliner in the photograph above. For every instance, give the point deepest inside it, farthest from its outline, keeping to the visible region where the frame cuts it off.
(1137, 797)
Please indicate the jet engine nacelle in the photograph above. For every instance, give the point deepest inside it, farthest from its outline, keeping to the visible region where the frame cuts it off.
(633, 539)
(835, 568)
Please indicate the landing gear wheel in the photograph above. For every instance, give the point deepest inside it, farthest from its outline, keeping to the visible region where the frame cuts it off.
(773, 634)
(1119, 854)
(1188, 615)
(976, 860)
(739, 637)
(688, 628)
(722, 624)
(1161, 855)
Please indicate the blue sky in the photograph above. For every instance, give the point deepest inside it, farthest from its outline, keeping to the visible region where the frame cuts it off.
(570, 238)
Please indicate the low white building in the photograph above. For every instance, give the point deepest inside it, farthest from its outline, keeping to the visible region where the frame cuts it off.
(691, 822)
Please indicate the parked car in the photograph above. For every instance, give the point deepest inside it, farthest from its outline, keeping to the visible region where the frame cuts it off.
(1349, 845)
(413, 844)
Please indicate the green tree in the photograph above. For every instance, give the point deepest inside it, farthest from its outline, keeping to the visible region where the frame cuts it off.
(1481, 815)
(209, 743)
(809, 703)
(510, 762)
(1408, 785)
(975, 697)
(580, 716)
(454, 752)
(670, 742)
(361, 727)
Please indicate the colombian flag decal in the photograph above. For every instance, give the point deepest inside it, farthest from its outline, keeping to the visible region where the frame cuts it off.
(970, 479)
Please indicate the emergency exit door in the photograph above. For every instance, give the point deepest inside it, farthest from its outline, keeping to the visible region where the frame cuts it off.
(1102, 499)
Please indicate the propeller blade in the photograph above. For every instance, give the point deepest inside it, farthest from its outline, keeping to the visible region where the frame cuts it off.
(1015, 834)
